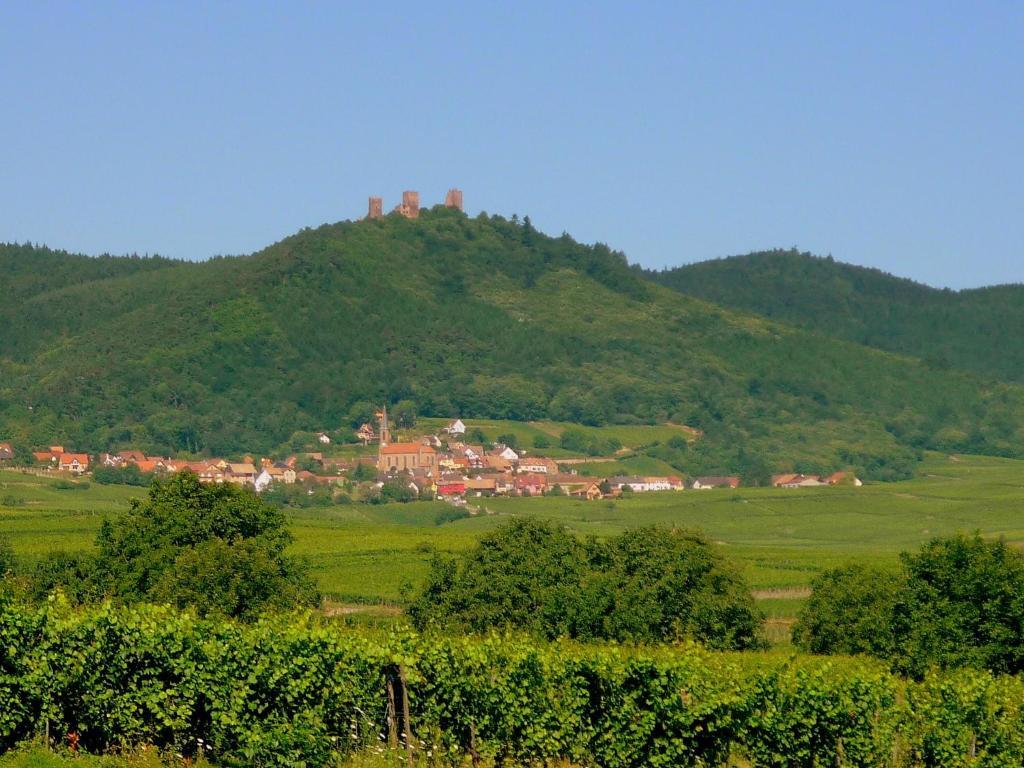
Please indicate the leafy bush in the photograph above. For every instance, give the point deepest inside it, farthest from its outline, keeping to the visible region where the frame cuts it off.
(525, 574)
(650, 584)
(8, 559)
(217, 548)
(450, 515)
(964, 719)
(70, 485)
(291, 690)
(957, 602)
(811, 716)
(393, 491)
(964, 606)
(75, 574)
(582, 442)
(126, 475)
(644, 585)
(850, 610)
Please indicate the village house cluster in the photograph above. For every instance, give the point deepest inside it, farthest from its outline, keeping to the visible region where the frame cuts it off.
(445, 465)
(60, 459)
(448, 467)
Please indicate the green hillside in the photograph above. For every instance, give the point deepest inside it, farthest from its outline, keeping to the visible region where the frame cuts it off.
(28, 270)
(974, 330)
(481, 317)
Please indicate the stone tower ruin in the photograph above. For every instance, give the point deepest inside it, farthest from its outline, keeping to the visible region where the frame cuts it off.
(453, 199)
(410, 207)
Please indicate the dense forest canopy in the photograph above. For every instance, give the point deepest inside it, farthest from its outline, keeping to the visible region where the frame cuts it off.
(974, 330)
(481, 317)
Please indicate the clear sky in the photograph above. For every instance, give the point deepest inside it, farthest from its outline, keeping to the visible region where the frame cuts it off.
(886, 134)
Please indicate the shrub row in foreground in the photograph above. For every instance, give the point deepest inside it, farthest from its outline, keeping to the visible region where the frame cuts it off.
(294, 690)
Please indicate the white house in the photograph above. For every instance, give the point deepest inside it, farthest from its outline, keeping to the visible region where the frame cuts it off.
(323, 438)
(504, 452)
(263, 481)
(534, 466)
(634, 483)
(456, 428)
(76, 463)
(661, 484)
(475, 453)
(645, 484)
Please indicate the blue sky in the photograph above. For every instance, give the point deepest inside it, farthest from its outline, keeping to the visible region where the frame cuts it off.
(888, 135)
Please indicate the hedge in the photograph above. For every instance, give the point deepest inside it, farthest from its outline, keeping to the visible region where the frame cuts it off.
(295, 690)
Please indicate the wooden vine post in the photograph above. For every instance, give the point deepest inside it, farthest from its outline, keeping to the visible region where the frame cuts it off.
(398, 715)
(389, 685)
(406, 720)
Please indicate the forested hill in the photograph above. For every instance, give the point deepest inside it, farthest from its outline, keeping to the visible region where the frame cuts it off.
(975, 330)
(479, 317)
(26, 270)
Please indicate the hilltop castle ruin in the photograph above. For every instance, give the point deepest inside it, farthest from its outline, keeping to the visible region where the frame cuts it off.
(410, 205)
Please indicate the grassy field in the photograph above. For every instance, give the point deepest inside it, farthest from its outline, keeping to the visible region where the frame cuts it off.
(632, 465)
(631, 436)
(781, 537)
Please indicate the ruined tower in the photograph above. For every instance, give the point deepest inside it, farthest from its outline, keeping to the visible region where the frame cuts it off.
(453, 199)
(376, 208)
(410, 207)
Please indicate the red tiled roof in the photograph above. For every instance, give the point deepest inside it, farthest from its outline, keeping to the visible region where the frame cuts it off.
(530, 479)
(403, 448)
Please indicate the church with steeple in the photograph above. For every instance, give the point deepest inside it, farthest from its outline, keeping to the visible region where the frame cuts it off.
(400, 457)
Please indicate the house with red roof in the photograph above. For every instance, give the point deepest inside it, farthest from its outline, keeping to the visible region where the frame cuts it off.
(706, 483)
(76, 463)
(532, 484)
(453, 485)
(481, 486)
(797, 481)
(843, 478)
